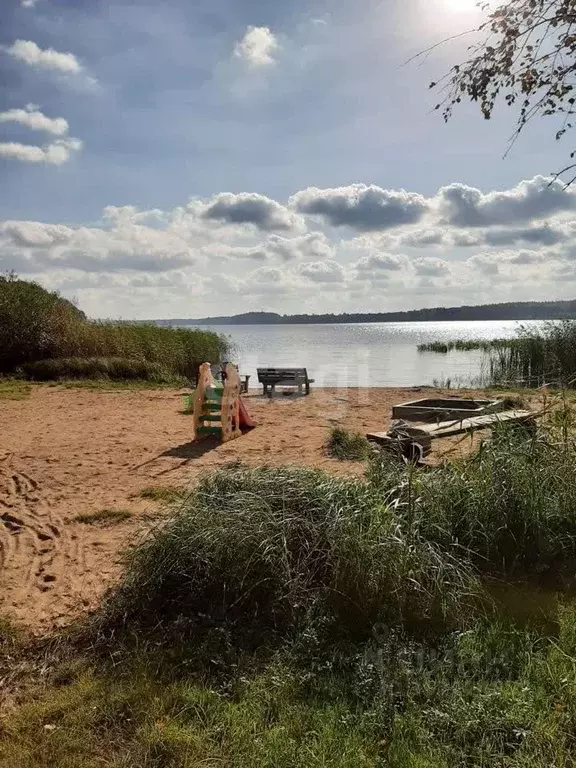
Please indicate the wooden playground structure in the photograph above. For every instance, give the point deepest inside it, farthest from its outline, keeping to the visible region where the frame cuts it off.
(218, 408)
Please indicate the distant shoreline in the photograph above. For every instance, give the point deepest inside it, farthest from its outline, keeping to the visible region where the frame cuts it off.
(523, 310)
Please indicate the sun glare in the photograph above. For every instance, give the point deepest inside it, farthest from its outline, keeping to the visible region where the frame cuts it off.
(461, 6)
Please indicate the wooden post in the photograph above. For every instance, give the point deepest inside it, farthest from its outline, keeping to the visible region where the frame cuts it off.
(230, 419)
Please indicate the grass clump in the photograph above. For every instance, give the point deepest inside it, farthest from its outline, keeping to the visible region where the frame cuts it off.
(464, 345)
(104, 517)
(542, 355)
(510, 508)
(14, 389)
(164, 493)
(96, 368)
(347, 446)
(43, 336)
(268, 551)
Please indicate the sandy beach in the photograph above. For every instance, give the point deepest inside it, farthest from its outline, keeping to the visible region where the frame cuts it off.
(66, 452)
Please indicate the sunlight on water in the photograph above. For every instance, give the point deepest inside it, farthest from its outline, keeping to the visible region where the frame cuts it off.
(365, 354)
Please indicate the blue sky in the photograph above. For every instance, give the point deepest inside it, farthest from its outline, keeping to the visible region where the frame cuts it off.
(179, 159)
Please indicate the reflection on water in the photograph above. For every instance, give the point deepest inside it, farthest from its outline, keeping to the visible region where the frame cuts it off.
(366, 354)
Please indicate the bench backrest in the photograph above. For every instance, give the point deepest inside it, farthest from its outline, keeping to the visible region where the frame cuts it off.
(276, 375)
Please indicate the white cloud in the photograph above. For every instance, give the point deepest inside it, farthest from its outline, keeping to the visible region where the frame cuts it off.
(361, 207)
(251, 251)
(532, 200)
(28, 3)
(322, 271)
(257, 47)
(31, 54)
(430, 267)
(377, 263)
(251, 208)
(57, 153)
(312, 245)
(31, 117)
(124, 246)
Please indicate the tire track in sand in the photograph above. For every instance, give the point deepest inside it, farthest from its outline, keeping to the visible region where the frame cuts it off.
(37, 554)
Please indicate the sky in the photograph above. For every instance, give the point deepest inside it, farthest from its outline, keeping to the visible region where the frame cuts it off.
(186, 159)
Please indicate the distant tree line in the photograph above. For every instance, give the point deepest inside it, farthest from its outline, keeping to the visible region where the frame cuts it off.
(516, 310)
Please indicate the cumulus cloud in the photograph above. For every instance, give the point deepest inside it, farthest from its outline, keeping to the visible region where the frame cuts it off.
(33, 234)
(504, 262)
(28, 3)
(379, 266)
(257, 47)
(264, 251)
(312, 245)
(57, 153)
(361, 207)
(31, 53)
(31, 117)
(430, 267)
(377, 262)
(322, 271)
(125, 246)
(542, 235)
(250, 208)
(538, 198)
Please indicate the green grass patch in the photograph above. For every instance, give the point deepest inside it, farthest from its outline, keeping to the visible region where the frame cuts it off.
(165, 493)
(100, 368)
(14, 389)
(285, 617)
(104, 517)
(347, 446)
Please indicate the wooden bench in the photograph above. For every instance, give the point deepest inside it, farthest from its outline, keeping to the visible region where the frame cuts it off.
(415, 440)
(295, 377)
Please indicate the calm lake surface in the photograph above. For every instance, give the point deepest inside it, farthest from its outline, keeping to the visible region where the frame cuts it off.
(366, 354)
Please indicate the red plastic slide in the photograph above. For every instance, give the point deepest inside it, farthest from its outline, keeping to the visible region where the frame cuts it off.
(245, 419)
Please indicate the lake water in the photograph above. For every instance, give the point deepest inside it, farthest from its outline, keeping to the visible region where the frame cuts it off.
(366, 354)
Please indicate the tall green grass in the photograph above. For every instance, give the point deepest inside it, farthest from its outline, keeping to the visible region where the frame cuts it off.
(273, 551)
(510, 509)
(45, 336)
(464, 345)
(283, 617)
(544, 355)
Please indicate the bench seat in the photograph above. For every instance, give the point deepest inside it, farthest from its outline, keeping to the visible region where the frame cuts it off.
(295, 377)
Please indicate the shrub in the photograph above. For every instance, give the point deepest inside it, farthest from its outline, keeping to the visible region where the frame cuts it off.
(347, 446)
(38, 326)
(509, 508)
(32, 322)
(275, 549)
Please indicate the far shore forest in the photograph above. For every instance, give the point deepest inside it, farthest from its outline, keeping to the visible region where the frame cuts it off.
(516, 310)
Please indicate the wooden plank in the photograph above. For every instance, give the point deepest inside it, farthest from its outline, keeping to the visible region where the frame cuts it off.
(451, 428)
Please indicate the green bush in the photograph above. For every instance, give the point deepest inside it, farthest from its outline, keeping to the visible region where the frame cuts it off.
(509, 508)
(272, 550)
(347, 446)
(33, 322)
(43, 334)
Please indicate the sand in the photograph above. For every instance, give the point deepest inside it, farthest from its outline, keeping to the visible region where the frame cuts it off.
(65, 452)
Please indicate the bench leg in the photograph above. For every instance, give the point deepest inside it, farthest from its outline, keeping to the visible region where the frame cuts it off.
(265, 389)
(307, 387)
(300, 388)
(273, 390)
